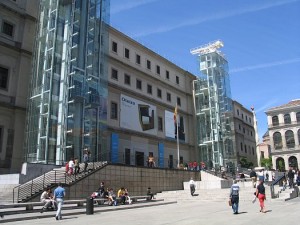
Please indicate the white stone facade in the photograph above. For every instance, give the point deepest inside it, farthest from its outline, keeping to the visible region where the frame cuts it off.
(284, 131)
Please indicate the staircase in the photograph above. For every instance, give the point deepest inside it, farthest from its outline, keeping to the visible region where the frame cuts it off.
(33, 188)
(222, 195)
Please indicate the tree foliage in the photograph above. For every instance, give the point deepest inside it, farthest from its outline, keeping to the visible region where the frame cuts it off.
(266, 162)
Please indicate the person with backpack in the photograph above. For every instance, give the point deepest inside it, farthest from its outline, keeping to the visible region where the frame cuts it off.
(234, 197)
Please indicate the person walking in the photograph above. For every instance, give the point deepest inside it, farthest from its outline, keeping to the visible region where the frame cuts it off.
(261, 195)
(253, 177)
(76, 164)
(192, 186)
(85, 160)
(59, 194)
(291, 175)
(234, 197)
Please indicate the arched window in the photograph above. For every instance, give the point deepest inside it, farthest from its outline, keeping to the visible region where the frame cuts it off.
(290, 140)
(277, 140)
(298, 116)
(287, 119)
(275, 120)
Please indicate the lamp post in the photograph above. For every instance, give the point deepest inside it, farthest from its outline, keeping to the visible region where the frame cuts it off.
(256, 136)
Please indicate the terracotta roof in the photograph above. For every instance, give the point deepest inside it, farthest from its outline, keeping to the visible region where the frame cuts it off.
(292, 103)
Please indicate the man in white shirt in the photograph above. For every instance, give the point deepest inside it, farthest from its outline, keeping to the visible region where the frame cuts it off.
(192, 186)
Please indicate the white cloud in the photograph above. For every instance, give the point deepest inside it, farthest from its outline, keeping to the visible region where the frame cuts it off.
(265, 65)
(267, 105)
(216, 16)
(127, 5)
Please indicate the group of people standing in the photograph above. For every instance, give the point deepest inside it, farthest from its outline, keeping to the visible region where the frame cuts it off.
(72, 167)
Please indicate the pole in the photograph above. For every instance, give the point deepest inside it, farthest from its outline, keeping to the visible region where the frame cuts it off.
(177, 143)
(256, 136)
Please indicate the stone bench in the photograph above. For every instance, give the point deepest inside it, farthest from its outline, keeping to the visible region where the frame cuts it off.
(30, 205)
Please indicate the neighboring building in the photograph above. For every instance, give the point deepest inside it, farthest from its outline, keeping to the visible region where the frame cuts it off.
(144, 89)
(213, 108)
(265, 147)
(17, 30)
(284, 131)
(244, 133)
(68, 91)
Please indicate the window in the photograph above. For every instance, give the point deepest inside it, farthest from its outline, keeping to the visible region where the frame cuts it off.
(242, 116)
(127, 53)
(246, 118)
(149, 89)
(138, 84)
(7, 28)
(245, 148)
(3, 78)
(262, 154)
(168, 97)
(277, 140)
(114, 74)
(250, 120)
(241, 146)
(238, 112)
(149, 64)
(252, 150)
(114, 47)
(287, 119)
(275, 121)
(158, 93)
(126, 79)
(178, 101)
(299, 135)
(158, 69)
(244, 130)
(251, 133)
(239, 126)
(160, 124)
(167, 75)
(138, 59)
(290, 140)
(114, 110)
(177, 80)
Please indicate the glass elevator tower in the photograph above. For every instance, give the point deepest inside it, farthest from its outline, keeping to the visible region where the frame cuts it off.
(213, 107)
(68, 91)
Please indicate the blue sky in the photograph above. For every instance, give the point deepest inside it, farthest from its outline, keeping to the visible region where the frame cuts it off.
(261, 42)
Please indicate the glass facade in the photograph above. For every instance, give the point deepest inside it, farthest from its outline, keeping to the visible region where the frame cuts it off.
(213, 107)
(67, 111)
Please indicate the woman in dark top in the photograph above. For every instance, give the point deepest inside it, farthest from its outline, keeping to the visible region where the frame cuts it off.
(261, 195)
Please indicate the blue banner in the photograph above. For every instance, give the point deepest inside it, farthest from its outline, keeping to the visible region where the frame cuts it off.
(161, 149)
(114, 148)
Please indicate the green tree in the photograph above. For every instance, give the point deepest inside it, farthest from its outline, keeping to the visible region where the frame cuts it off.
(266, 162)
(245, 163)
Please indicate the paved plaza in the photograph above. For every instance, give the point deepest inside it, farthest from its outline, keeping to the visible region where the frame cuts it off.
(182, 213)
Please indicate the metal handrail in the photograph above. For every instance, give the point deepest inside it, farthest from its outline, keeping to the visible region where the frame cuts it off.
(36, 185)
(279, 179)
